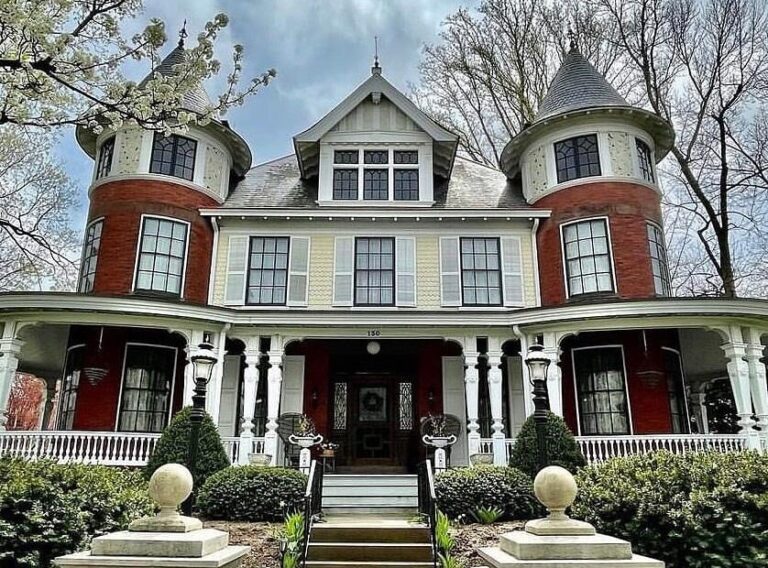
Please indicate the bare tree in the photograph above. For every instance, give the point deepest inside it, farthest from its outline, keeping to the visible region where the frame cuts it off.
(39, 249)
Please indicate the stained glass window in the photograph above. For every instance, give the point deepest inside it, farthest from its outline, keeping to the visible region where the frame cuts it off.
(577, 158)
(406, 406)
(406, 156)
(376, 184)
(406, 185)
(161, 256)
(146, 396)
(587, 257)
(346, 157)
(344, 184)
(375, 157)
(340, 406)
(173, 156)
(601, 391)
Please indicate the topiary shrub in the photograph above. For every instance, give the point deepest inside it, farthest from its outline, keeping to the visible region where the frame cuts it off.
(173, 447)
(49, 509)
(698, 510)
(562, 448)
(251, 493)
(463, 491)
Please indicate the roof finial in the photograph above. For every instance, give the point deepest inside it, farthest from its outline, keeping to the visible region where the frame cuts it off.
(572, 38)
(376, 69)
(183, 33)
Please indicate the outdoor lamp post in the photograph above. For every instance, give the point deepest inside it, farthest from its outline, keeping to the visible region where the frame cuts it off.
(538, 363)
(203, 362)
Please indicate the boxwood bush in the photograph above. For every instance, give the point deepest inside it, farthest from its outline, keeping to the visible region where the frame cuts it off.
(462, 491)
(48, 509)
(252, 493)
(699, 510)
(562, 448)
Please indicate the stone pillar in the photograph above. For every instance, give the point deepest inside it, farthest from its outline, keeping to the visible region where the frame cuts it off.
(758, 383)
(195, 339)
(274, 391)
(10, 349)
(250, 388)
(738, 373)
(472, 390)
(554, 373)
(496, 393)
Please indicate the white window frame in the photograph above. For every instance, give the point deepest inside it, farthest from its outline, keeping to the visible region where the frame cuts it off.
(82, 255)
(663, 266)
(636, 160)
(122, 378)
(61, 392)
(564, 259)
(574, 378)
(100, 156)
(684, 386)
(138, 252)
(287, 269)
(602, 160)
(390, 166)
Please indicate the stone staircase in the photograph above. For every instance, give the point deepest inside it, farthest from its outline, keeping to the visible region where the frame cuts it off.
(370, 494)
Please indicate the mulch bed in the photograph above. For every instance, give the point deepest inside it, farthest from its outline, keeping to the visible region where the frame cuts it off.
(472, 536)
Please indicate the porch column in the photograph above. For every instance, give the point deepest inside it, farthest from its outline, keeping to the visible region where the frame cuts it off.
(50, 401)
(195, 339)
(699, 399)
(274, 391)
(471, 388)
(495, 391)
(250, 388)
(554, 373)
(738, 373)
(10, 349)
(757, 382)
(213, 403)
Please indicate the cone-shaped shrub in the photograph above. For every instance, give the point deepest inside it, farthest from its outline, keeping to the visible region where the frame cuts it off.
(562, 448)
(173, 447)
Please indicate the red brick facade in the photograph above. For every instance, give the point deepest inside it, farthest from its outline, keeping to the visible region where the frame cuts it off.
(122, 204)
(628, 207)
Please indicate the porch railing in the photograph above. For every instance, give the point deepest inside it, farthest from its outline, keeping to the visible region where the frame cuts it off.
(232, 446)
(600, 448)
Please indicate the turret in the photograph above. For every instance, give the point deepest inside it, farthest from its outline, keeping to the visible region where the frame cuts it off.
(590, 158)
(144, 234)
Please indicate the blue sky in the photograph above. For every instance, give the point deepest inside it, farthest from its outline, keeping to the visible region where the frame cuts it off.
(322, 49)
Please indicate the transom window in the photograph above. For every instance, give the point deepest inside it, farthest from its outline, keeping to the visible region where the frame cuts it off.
(106, 152)
(587, 257)
(659, 266)
(161, 255)
(268, 271)
(383, 174)
(374, 271)
(480, 271)
(577, 157)
(173, 156)
(145, 400)
(90, 256)
(70, 384)
(644, 160)
(601, 391)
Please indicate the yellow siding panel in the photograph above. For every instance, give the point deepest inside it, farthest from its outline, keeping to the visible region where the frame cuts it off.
(427, 272)
(321, 271)
(529, 278)
(220, 274)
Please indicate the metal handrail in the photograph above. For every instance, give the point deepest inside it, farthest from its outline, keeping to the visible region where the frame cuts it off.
(313, 505)
(428, 502)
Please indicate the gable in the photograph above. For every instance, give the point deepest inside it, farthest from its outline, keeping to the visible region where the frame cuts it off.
(371, 117)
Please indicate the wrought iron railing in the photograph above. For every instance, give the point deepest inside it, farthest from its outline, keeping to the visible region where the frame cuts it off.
(428, 502)
(313, 505)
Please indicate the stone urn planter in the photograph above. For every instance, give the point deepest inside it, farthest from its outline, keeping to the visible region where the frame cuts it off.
(305, 441)
(439, 441)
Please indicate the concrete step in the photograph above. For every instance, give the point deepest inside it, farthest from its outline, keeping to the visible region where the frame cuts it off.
(361, 533)
(370, 552)
(357, 563)
(384, 490)
(370, 501)
(357, 511)
(331, 480)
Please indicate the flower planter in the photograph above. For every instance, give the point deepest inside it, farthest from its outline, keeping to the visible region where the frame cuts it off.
(259, 459)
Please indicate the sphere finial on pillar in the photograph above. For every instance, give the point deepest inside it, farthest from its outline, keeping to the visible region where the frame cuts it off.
(556, 489)
(169, 487)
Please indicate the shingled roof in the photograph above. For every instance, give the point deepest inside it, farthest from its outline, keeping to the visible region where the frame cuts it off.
(195, 99)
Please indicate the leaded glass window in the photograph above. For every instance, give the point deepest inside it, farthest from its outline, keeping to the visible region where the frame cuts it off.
(406, 156)
(268, 271)
(340, 406)
(375, 157)
(405, 406)
(480, 271)
(344, 184)
(374, 271)
(161, 255)
(406, 185)
(601, 391)
(70, 385)
(375, 184)
(90, 256)
(659, 266)
(644, 160)
(106, 153)
(346, 156)
(577, 157)
(173, 156)
(147, 383)
(587, 257)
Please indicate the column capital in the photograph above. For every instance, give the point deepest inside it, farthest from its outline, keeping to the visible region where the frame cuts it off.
(734, 350)
(10, 346)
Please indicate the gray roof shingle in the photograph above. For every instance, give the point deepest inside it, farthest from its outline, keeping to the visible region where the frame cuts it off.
(278, 183)
(196, 99)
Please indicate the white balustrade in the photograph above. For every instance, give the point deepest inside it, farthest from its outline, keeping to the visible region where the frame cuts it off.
(600, 448)
(486, 446)
(232, 447)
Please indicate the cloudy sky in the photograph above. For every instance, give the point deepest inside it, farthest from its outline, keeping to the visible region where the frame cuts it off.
(321, 49)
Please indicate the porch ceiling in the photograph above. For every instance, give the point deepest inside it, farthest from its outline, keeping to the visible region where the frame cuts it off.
(44, 350)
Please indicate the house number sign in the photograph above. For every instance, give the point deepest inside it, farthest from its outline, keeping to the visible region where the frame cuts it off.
(374, 333)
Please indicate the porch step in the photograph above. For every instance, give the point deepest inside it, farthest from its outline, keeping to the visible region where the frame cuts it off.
(370, 491)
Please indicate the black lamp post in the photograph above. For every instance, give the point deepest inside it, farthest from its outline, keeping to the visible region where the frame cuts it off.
(203, 362)
(538, 363)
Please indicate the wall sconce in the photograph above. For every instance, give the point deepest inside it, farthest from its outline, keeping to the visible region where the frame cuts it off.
(431, 397)
(315, 396)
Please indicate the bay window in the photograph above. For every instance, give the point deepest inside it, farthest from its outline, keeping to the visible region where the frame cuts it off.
(587, 257)
(162, 254)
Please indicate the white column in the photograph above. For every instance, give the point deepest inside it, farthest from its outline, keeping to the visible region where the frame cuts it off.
(250, 388)
(738, 373)
(10, 349)
(274, 388)
(471, 388)
(554, 373)
(495, 392)
(195, 339)
(213, 402)
(700, 410)
(757, 382)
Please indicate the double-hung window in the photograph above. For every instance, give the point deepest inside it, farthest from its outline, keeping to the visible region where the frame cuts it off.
(587, 254)
(577, 157)
(145, 399)
(644, 160)
(601, 391)
(162, 252)
(90, 256)
(374, 271)
(106, 152)
(173, 156)
(376, 175)
(659, 266)
(268, 271)
(480, 271)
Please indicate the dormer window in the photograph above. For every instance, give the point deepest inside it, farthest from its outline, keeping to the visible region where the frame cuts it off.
(173, 156)
(577, 157)
(384, 174)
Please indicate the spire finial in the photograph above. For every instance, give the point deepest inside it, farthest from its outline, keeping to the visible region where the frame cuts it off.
(574, 44)
(183, 33)
(376, 69)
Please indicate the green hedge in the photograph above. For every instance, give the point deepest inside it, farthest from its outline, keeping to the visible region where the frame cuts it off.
(252, 493)
(562, 448)
(173, 447)
(48, 509)
(699, 510)
(462, 491)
